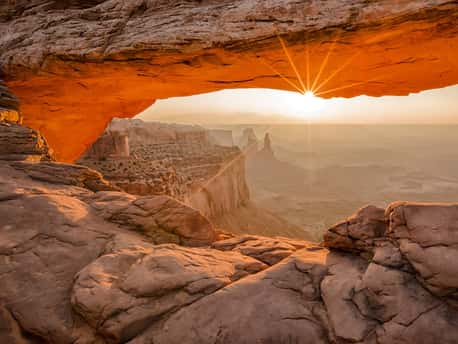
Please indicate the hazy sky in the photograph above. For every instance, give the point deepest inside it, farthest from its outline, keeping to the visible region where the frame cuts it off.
(272, 106)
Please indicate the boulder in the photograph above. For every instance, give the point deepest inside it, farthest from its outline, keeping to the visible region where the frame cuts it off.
(80, 266)
(279, 305)
(162, 218)
(359, 232)
(268, 250)
(123, 293)
(427, 237)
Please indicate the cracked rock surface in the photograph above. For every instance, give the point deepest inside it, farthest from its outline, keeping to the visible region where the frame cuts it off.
(84, 266)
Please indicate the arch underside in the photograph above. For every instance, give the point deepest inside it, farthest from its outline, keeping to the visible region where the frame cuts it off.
(76, 68)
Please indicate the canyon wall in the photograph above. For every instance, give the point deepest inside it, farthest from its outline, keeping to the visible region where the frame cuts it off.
(176, 160)
(224, 192)
(75, 65)
(221, 137)
(111, 144)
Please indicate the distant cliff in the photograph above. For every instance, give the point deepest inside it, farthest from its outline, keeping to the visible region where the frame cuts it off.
(184, 162)
(224, 192)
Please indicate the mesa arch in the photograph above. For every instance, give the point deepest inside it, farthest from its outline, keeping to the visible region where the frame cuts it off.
(76, 64)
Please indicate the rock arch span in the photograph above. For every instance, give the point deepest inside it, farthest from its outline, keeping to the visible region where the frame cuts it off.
(75, 65)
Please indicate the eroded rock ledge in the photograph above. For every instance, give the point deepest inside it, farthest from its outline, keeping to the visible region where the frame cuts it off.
(79, 265)
(75, 65)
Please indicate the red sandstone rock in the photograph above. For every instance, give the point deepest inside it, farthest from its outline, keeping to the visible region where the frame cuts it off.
(88, 279)
(79, 266)
(359, 232)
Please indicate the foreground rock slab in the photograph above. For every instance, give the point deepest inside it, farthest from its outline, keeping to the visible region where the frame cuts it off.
(123, 293)
(79, 266)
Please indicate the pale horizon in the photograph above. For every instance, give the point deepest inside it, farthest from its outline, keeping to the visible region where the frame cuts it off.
(267, 106)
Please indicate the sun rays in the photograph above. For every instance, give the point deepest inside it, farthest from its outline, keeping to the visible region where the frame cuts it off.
(315, 86)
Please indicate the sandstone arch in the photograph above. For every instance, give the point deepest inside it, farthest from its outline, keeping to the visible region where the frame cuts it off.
(76, 64)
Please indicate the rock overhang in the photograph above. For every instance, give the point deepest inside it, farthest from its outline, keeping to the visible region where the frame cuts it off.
(74, 68)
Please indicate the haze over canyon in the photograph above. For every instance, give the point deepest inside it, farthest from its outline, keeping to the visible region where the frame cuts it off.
(290, 175)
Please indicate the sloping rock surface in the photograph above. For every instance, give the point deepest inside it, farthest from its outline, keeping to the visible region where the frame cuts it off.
(79, 266)
(67, 174)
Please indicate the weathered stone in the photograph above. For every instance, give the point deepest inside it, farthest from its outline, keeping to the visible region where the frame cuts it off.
(11, 116)
(109, 144)
(427, 235)
(67, 174)
(162, 218)
(123, 293)
(8, 102)
(267, 250)
(346, 320)
(21, 143)
(278, 305)
(72, 272)
(359, 232)
(49, 231)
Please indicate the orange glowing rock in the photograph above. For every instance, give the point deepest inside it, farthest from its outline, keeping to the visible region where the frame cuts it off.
(75, 67)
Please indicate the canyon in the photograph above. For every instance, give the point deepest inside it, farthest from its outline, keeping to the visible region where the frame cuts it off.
(118, 248)
(104, 266)
(187, 163)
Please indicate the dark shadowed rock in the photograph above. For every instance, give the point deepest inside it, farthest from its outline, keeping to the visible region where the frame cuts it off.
(67, 174)
(21, 143)
(267, 250)
(80, 267)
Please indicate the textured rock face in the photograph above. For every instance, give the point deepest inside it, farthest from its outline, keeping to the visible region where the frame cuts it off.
(9, 105)
(66, 174)
(122, 293)
(91, 271)
(109, 144)
(21, 143)
(175, 160)
(359, 232)
(223, 192)
(161, 218)
(432, 253)
(248, 142)
(80, 265)
(126, 53)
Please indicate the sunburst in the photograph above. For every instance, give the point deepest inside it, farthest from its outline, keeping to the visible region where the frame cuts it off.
(316, 88)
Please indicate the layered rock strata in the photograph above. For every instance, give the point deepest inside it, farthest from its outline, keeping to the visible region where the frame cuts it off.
(21, 143)
(176, 160)
(9, 105)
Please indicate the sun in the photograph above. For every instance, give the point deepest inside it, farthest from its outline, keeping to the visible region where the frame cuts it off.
(303, 105)
(311, 100)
